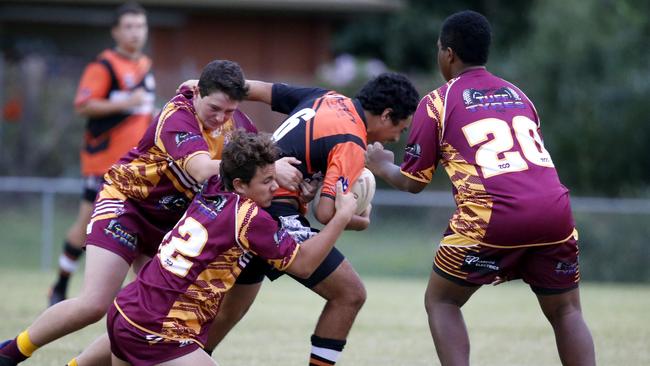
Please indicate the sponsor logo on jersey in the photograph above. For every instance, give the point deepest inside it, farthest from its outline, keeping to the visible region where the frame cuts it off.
(183, 137)
(413, 150)
(122, 235)
(152, 338)
(474, 261)
(279, 236)
(212, 206)
(499, 99)
(565, 268)
(174, 203)
(345, 182)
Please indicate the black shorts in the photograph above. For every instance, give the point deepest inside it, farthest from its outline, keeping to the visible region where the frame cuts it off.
(298, 226)
(92, 186)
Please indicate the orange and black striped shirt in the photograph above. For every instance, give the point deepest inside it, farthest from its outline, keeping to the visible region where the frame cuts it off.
(326, 131)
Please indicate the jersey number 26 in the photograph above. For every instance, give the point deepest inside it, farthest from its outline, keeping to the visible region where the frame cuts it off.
(495, 156)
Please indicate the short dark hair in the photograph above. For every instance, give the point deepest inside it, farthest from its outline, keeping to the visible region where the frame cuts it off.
(243, 154)
(224, 76)
(468, 33)
(389, 90)
(130, 7)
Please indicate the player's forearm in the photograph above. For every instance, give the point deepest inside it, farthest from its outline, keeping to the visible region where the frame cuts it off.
(97, 108)
(259, 91)
(314, 250)
(202, 167)
(392, 175)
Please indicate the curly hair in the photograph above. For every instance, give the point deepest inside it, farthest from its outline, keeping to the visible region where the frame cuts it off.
(224, 76)
(389, 90)
(468, 33)
(243, 154)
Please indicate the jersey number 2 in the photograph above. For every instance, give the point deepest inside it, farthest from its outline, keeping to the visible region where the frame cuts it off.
(494, 157)
(189, 243)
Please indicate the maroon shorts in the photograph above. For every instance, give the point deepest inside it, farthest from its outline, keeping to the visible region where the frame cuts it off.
(141, 348)
(119, 226)
(548, 269)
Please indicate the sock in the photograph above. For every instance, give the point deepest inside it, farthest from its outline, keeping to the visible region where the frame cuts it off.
(325, 351)
(72, 362)
(67, 265)
(20, 348)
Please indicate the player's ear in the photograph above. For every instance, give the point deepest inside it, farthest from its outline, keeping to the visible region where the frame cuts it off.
(386, 115)
(239, 186)
(451, 55)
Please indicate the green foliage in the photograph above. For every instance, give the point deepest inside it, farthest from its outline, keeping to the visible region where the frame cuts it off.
(583, 63)
(584, 66)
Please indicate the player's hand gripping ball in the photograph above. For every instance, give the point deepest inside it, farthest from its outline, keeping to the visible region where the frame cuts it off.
(363, 190)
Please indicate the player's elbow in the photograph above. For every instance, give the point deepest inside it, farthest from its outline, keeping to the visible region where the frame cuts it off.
(413, 186)
(411, 189)
(323, 217)
(202, 175)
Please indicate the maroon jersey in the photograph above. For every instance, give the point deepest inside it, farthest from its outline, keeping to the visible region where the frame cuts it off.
(178, 293)
(486, 134)
(154, 173)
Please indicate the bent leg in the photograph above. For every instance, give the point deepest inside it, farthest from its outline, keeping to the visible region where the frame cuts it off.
(443, 300)
(234, 306)
(72, 252)
(76, 234)
(97, 354)
(116, 361)
(103, 278)
(345, 295)
(574, 343)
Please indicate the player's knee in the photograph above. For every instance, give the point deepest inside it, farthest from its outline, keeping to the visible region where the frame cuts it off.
(353, 296)
(431, 302)
(562, 311)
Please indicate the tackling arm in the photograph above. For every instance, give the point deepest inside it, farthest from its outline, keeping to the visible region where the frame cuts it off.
(326, 210)
(259, 91)
(381, 163)
(314, 250)
(202, 167)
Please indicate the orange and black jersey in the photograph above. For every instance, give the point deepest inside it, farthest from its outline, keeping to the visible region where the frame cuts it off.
(326, 131)
(114, 77)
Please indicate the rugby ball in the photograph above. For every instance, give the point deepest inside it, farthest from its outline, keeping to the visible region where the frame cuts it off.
(363, 190)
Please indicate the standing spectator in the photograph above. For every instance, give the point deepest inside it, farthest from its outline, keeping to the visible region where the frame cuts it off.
(116, 96)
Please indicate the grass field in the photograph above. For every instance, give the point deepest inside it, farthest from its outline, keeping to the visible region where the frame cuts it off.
(505, 324)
